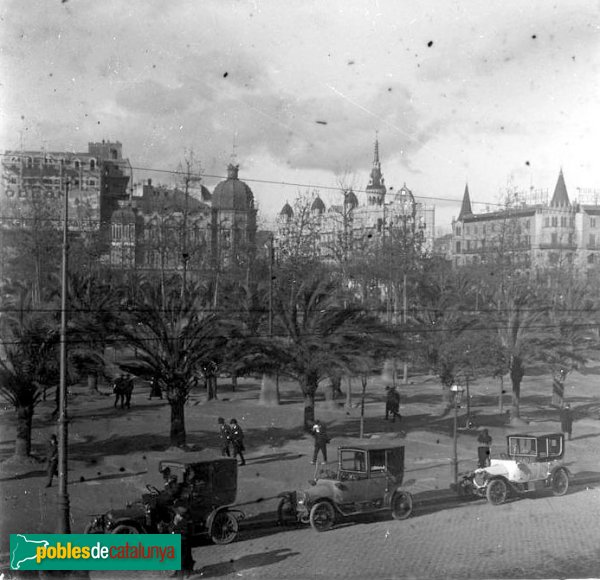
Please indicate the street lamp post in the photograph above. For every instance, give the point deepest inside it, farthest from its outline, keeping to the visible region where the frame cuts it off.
(64, 519)
(457, 392)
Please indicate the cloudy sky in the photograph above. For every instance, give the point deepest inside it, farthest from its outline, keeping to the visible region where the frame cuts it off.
(484, 92)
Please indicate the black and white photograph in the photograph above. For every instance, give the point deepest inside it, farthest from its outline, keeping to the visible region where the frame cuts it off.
(303, 290)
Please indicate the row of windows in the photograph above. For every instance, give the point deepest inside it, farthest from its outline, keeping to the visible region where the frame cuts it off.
(49, 161)
(53, 181)
(552, 221)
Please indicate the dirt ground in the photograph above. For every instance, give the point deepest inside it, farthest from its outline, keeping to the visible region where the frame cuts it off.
(114, 453)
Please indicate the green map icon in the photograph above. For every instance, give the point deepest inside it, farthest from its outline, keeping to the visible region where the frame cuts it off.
(24, 549)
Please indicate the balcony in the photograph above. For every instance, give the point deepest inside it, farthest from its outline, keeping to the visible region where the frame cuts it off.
(558, 246)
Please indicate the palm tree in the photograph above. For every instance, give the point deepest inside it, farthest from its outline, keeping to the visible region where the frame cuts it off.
(28, 363)
(317, 336)
(92, 322)
(173, 339)
(516, 321)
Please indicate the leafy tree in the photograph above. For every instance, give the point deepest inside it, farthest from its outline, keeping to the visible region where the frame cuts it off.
(174, 338)
(318, 336)
(29, 362)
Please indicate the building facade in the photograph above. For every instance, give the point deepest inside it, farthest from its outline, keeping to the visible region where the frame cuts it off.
(363, 218)
(166, 229)
(529, 236)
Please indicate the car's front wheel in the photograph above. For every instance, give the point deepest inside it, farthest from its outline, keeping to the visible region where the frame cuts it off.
(560, 482)
(286, 512)
(93, 528)
(496, 491)
(224, 528)
(126, 529)
(402, 505)
(322, 516)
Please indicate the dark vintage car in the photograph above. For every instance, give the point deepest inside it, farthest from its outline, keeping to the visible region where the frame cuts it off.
(367, 480)
(531, 463)
(206, 488)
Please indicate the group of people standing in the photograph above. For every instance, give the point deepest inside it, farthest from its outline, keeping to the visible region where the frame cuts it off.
(123, 389)
(231, 438)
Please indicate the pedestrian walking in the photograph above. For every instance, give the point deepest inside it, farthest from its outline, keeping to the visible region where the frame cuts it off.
(224, 437)
(127, 391)
(155, 390)
(319, 432)
(182, 524)
(566, 420)
(119, 390)
(52, 459)
(484, 449)
(236, 435)
(392, 404)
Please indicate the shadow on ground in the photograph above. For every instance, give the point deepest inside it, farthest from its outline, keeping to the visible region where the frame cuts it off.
(246, 562)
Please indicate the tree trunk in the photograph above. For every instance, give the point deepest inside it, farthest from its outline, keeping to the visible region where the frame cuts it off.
(177, 421)
(233, 382)
(23, 437)
(269, 390)
(211, 387)
(558, 392)
(516, 376)
(309, 411)
(92, 383)
(349, 393)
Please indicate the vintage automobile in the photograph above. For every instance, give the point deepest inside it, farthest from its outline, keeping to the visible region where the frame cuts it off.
(206, 488)
(533, 462)
(367, 480)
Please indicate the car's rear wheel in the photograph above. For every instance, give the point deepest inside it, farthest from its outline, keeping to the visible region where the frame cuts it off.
(402, 505)
(224, 528)
(126, 529)
(560, 482)
(496, 491)
(322, 516)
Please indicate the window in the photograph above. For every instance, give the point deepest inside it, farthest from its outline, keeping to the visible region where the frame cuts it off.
(546, 222)
(522, 446)
(458, 247)
(591, 259)
(554, 239)
(353, 461)
(563, 222)
(554, 221)
(527, 224)
(377, 459)
(592, 240)
(92, 164)
(467, 230)
(458, 231)
(592, 222)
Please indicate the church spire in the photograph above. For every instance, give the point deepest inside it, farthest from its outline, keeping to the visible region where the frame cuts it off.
(465, 209)
(560, 197)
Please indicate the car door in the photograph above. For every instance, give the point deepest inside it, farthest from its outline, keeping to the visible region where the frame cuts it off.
(378, 477)
(354, 480)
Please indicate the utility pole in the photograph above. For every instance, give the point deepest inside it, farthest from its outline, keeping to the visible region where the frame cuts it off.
(64, 519)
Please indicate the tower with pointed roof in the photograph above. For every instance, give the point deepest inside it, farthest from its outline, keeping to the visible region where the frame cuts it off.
(465, 208)
(376, 189)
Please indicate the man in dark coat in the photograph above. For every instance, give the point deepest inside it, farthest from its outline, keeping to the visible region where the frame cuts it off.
(392, 404)
(484, 449)
(319, 432)
(182, 524)
(224, 437)
(52, 459)
(236, 436)
(566, 420)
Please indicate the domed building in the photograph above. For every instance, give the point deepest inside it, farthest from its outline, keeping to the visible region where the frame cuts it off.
(233, 219)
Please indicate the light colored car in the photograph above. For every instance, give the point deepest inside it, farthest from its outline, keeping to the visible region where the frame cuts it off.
(532, 463)
(367, 480)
